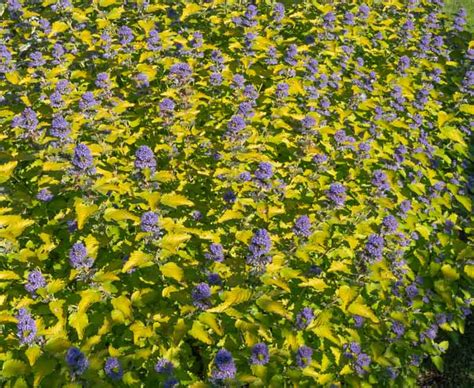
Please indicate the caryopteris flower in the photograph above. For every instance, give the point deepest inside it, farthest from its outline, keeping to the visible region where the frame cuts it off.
(260, 354)
(113, 368)
(77, 361)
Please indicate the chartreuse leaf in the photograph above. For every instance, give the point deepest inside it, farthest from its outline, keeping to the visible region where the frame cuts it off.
(136, 259)
(233, 297)
(359, 308)
(14, 368)
(172, 270)
(174, 200)
(199, 332)
(83, 212)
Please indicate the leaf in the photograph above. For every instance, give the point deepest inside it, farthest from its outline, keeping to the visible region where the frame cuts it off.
(189, 10)
(174, 200)
(326, 332)
(315, 283)
(465, 201)
(230, 215)
(467, 109)
(13, 368)
(211, 321)
(58, 27)
(13, 77)
(199, 332)
(83, 212)
(119, 215)
(359, 308)
(267, 304)
(438, 362)
(6, 170)
(42, 368)
(32, 353)
(449, 272)
(233, 297)
(172, 270)
(346, 294)
(172, 241)
(106, 3)
(8, 275)
(136, 259)
(123, 304)
(88, 298)
(79, 321)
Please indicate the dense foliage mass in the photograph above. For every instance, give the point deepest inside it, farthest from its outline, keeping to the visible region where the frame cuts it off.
(215, 193)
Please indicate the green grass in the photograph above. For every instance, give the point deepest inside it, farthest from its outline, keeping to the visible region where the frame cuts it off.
(452, 6)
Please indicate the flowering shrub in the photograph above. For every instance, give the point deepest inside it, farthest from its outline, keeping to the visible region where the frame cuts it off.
(212, 193)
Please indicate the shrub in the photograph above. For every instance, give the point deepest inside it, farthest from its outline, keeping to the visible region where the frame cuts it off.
(210, 193)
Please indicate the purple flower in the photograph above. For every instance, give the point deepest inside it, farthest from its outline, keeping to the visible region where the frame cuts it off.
(142, 80)
(363, 361)
(102, 80)
(78, 257)
(216, 79)
(59, 127)
(153, 41)
(282, 90)
(216, 253)
(337, 194)
(308, 122)
(214, 279)
(167, 105)
(398, 328)
(304, 318)
(358, 321)
(245, 176)
(405, 206)
(238, 81)
(26, 327)
(302, 226)
(180, 73)
(56, 99)
(264, 171)
(201, 294)
(392, 373)
(229, 196)
(144, 158)
(27, 120)
(77, 361)
(380, 181)
(374, 246)
(87, 101)
(260, 245)
(44, 195)
(164, 366)
(303, 356)
(278, 12)
(236, 124)
(390, 223)
(126, 35)
(37, 59)
(260, 354)
(149, 222)
(246, 109)
(412, 291)
(113, 369)
(82, 158)
(225, 366)
(320, 158)
(35, 281)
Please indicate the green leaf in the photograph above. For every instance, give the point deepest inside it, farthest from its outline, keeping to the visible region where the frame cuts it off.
(13, 368)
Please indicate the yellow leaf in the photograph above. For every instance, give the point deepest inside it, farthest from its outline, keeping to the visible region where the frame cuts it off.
(83, 212)
(467, 109)
(325, 332)
(123, 304)
(189, 10)
(267, 304)
(137, 259)
(211, 321)
(115, 13)
(119, 215)
(149, 70)
(174, 200)
(359, 308)
(6, 170)
(79, 321)
(13, 77)
(317, 284)
(469, 269)
(32, 353)
(199, 332)
(449, 272)
(106, 3)
(8, 275)
(346, 294)
(172, 241)
(58, 27)
(88, 298)
(172, 270)
(233, 297)
(230, 214)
